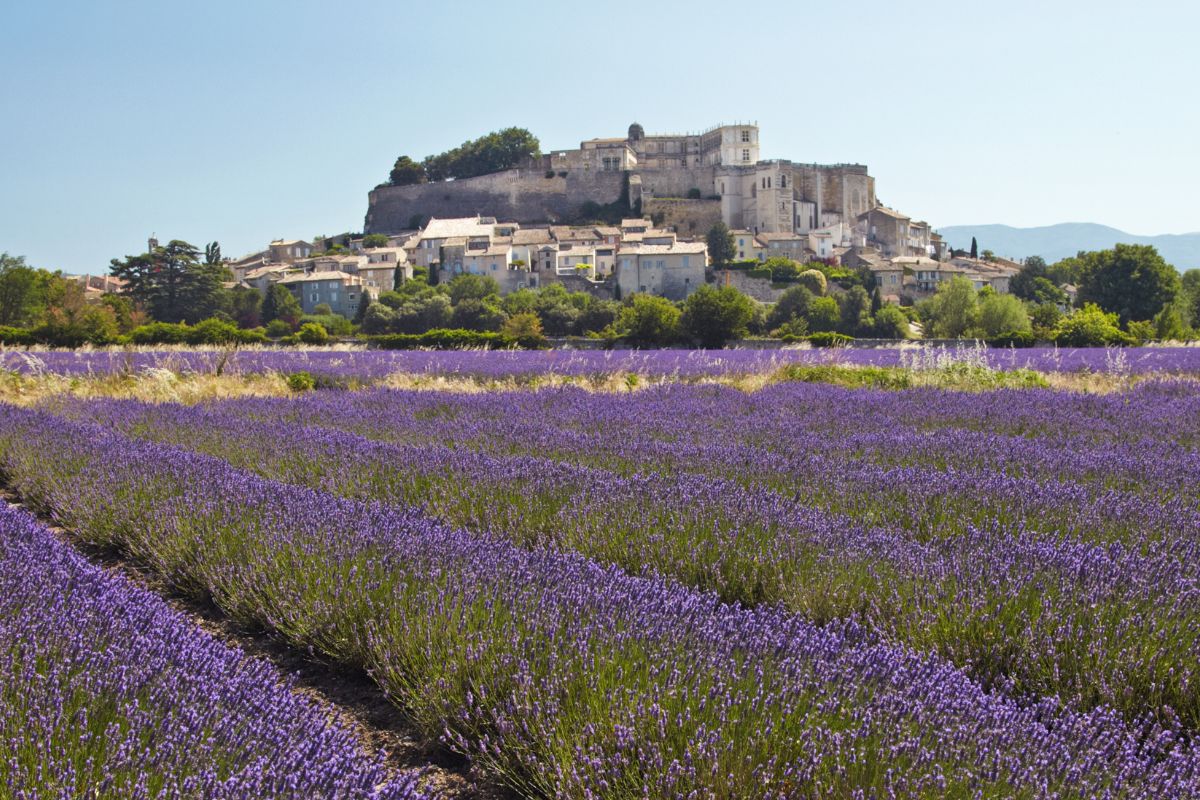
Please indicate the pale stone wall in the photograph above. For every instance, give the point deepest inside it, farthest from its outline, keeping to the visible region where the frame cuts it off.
(758, 288)
(689, 218)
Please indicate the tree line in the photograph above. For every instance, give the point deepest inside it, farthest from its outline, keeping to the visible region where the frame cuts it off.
(497, 151)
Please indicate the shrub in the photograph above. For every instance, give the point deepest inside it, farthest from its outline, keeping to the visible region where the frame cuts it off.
(301, 382)
(549, 173)
(814, 280)
(211, 331)
(1090, 327)
(442, 338)
(312, 333)
(1013, 339)
(15, 336)
(693, 194)
(278, 328)
(159, 333)
(829, 339)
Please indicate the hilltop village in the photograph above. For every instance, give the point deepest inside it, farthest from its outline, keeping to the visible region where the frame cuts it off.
(512, 226)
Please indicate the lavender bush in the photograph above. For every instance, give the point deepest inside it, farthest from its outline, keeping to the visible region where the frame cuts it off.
(566, 678)
(108, 692)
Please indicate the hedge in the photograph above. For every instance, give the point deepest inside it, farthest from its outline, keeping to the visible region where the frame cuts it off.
(444, 339)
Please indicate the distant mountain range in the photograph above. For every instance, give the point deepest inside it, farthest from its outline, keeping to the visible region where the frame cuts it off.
(1054, 242)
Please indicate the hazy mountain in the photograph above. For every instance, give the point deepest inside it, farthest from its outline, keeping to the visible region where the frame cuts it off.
(1054, 242)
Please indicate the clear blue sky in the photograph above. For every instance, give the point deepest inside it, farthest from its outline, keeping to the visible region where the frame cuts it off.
(246, 121)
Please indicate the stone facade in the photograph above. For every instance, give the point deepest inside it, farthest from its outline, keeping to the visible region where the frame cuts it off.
(761, 196)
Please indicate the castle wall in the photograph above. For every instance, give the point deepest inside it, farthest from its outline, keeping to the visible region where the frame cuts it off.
(687, 217)
(760, 289)
(677, 182)
(515, 195)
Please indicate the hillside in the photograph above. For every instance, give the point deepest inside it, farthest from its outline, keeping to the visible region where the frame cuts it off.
(1054, 242)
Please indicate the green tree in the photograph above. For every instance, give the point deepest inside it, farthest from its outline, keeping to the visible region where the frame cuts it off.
(375, 240)
(525, 328)
(783, 269)
(854, 312)
(1022, 284)
(245, 307)
(494, 152)
(823, 315)
(721, 245)
(792, 305)
(953, 311)
(1002, 313)
(406, 172)
(22, 295)
(890, 323)
(280, 303)
(814, 280)
(472, 287)
(714, 316)
(1132, 280)
(212, 253)
(1090, 326)
(974, 248)
(171, 283)
(647, 319)
(313, 333)
(364, 303)
(1190, 297)
(1169, 326)
(478, 315)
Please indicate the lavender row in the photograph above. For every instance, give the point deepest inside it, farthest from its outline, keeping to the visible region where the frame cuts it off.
(370, 365)
(1046, 614)
(569, 679)
(107, 692)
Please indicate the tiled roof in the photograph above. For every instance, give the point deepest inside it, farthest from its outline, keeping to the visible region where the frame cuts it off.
(331, 275)
(679, 248)
(464, 226)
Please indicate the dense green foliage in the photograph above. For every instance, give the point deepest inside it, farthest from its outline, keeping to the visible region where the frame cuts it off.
(499, 150)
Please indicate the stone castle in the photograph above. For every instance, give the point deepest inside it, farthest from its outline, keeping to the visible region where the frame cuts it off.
(690, 180)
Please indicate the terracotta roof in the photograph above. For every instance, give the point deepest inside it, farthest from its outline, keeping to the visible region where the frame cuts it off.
(464, 226)
(331, 275)
(679, 248)
(531, 236)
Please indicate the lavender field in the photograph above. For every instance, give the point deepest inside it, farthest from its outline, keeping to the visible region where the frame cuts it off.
(371, 365)
(689, 590)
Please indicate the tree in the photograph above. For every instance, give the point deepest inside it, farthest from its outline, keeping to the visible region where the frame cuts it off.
(1090, 326)
(647, 319)
(823, 315)
(814, 280)
(792, 305)
(477, 315)
(721, 245)
(782, 269)
(1002, 313)
(1169, 327)
(714, 316)
(525, 328)
(974, 248)
(952, 311)
(988, 255)
(375, 240)
(890, 323)
(21, 292)
(406, 172)
(1131, 280)
(280, 303)
(854, 312)
(212, 253)
(494, 152)
(171, 283)
(312, 333)
(472, 287)
(1190, 297)
(245, 307)
(364, 303)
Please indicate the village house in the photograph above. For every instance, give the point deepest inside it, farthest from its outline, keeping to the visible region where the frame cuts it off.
(341, 291)
(672, 271)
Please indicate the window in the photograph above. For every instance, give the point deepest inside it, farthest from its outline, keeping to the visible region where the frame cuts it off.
(315, 297)
(745, 155)
(333, 297)
(745, 136)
